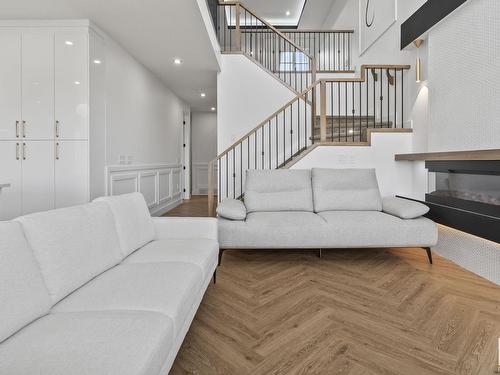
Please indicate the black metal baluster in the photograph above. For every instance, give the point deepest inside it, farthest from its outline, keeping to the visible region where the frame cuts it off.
(284, 136)
(241, 168)
(219, 173)
(353, 110)
(331, 108)
(388, 99)
(270, 147)
(360, 110)
(277, 139)
(346, 116)
(402, 100)
(262, 142)
(291, 130)
(234, 174)
(339, 92)
(395, 99)
(381, 100)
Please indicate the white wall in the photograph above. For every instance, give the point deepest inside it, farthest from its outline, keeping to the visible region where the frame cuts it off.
(204, 148)
(393, 177)
(143, 116)
(464, 79)
(246, 96)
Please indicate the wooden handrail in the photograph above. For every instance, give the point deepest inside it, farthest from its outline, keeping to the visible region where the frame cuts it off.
(234, 3)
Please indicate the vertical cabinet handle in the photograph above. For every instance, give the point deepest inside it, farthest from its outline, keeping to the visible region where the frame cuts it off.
(57, 150)
(24, 151)
(24, 129)
(17, 128)
(57, 129)
(17, 151)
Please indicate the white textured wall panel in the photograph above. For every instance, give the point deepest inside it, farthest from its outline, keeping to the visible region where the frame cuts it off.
(464, 79)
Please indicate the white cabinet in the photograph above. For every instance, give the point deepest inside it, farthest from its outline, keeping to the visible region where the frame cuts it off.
(71, 173)
(52, 115)
(10, 87)
(71, 84)
(38, 84)
(37, 176)
(10, 173)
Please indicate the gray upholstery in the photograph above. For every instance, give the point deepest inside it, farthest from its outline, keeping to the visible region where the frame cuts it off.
(378, 229)
(345, 189)
(90, 343)
(268, 230)
(278, 190)
(403, 208)
(232, 209)
(348, 214)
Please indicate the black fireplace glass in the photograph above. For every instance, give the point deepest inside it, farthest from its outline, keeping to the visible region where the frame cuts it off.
(470, 187)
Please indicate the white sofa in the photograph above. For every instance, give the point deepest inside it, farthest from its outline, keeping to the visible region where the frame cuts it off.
(321, 209)
(101, 288)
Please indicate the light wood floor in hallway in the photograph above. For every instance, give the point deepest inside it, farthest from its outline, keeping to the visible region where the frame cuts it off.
(352, 312)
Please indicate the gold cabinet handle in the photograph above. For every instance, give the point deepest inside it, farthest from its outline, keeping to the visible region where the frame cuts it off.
(24, 151)
(24, 128)
(57, 129)
(17, 128)
(57, 150)
(17, 151)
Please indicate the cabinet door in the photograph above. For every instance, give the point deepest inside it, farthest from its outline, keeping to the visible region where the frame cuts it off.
(10, 87)
(38, 176)
(71, 173)
(10, 173)
(71, 85)
(38, 84)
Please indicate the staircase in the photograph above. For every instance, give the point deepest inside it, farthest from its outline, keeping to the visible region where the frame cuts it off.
(328, 110)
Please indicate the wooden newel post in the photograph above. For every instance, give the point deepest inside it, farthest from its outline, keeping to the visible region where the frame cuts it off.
(322, 94)
(238, 28)
(211, 202)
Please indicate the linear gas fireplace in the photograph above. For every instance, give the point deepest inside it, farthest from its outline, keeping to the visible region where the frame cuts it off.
(466, 195)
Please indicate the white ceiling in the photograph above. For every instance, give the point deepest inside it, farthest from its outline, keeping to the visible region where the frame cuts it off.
(274, 11)
(153, 31)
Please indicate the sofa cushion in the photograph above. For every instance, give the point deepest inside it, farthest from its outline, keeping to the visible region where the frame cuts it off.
(97, 343)
(345, 189)
(377, 229)
(133, 221)
(278, 190)
(168, 288)
(273, 230)
(232, 209)
(403, 208)
(23, 294)
(201, 252)
(72, 245)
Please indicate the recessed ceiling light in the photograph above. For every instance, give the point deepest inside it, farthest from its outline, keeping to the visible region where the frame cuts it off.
(213, 108)
(177, 61)
(287, 13)
(69, 43)
(203, 94)
(77, 82)
(97, 62)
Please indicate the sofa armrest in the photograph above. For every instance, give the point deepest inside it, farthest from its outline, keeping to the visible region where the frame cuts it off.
(186, 228)
(232, 209)
(403, 208)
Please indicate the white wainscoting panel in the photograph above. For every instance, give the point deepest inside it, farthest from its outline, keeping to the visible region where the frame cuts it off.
(200, 178)
(161, 184)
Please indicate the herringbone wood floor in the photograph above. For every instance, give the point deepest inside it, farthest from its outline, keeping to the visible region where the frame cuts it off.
(352, 312)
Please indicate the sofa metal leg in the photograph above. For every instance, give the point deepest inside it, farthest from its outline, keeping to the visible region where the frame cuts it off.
(221, 251)
(319, 253)
(429, 254)
(215, 277)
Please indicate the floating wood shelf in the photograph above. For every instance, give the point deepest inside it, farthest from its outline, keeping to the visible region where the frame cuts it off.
(493, 154)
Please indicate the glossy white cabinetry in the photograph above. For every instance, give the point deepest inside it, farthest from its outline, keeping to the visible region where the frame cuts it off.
(37, 176)
(71, 172)
(11, 173)
(10, 87)
(52, 115)
(71, 85)
(37, 84)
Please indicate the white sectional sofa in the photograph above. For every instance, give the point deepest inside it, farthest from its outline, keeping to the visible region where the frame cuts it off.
(321, 209)
(101, 288)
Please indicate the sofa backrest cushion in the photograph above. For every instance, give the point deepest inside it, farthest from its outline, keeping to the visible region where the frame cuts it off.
(72, 245)
(133, 221)
(345, 190)
(278, 190)
(23, 294)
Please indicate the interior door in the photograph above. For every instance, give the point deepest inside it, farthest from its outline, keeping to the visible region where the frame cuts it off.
(71, 84)
(10, 87)
(38, 176)
(38, 84)
(10, 173)
(71, 173)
